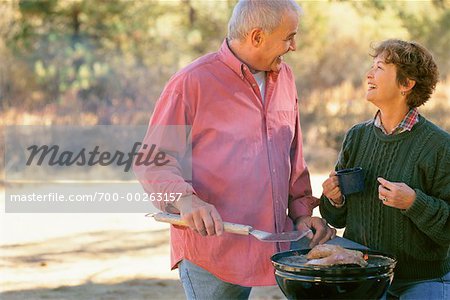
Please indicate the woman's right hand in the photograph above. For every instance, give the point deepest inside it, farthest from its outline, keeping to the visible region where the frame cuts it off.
(331, 189)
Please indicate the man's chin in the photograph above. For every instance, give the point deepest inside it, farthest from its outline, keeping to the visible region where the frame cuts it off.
(276, 67)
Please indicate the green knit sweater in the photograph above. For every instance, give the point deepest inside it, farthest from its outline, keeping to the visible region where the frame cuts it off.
(420, 236)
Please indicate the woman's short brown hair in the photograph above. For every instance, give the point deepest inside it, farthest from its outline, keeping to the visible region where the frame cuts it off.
(413, 61)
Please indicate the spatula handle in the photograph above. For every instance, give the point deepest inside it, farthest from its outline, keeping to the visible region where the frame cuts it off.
(169, 218)
(176, 220)
(237, 228)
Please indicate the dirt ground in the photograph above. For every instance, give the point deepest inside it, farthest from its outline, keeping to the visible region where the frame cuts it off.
(91, 256)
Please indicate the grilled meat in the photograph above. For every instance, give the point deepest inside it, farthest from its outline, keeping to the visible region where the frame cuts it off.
(329, 255)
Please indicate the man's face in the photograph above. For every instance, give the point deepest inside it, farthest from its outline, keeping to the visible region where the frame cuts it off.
(277, 43)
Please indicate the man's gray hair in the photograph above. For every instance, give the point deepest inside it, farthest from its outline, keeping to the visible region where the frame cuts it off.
(264, 14)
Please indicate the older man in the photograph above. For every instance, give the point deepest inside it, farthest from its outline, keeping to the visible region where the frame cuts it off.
(247, 161)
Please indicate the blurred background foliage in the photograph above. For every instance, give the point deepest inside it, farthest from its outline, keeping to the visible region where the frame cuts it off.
(106, 61)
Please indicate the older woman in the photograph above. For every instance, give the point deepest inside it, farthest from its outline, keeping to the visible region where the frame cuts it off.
(405, 206)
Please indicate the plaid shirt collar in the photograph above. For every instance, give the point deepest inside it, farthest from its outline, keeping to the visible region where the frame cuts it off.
(411, 118)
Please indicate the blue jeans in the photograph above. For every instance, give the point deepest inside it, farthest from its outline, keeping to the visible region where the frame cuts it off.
(433, 289)
(199, 284)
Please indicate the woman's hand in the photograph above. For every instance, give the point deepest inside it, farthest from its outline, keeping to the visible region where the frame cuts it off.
(395, 194)
(331, 189)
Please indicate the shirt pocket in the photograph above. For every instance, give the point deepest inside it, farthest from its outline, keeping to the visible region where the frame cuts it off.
(282, 124)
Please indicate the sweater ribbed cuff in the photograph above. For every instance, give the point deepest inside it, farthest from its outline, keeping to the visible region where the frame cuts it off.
(416, 210)
(334, 216)
(329, 205)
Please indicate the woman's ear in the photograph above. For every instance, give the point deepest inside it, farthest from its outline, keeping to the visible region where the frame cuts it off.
(256, 37)
(410, 83)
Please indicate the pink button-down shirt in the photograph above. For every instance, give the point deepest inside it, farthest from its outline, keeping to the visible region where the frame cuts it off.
(246, 160)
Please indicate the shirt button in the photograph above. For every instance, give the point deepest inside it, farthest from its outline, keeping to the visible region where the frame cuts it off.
(273, 170)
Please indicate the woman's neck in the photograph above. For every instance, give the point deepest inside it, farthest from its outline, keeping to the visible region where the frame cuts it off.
(391, 117)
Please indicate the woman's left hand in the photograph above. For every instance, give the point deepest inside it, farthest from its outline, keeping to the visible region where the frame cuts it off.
(395, 194)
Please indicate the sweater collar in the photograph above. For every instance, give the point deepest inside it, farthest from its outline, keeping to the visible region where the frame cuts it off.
(407, 123)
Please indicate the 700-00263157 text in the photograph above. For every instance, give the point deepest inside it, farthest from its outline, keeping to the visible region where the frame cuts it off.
(97, 197)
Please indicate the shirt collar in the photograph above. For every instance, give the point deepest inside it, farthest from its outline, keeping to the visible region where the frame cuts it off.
(228, 58)
(407, 123)
(240, 68)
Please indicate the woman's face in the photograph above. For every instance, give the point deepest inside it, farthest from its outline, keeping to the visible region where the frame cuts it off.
(382, 87)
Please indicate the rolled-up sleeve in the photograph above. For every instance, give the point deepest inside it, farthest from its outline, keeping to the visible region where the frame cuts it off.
(301, 200)
(168, 133)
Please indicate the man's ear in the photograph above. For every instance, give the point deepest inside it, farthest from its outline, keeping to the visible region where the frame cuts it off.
(256, 37)
(410, 83)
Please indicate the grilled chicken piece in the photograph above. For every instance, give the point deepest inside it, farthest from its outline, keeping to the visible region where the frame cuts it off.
(323, 250)
(336, 256)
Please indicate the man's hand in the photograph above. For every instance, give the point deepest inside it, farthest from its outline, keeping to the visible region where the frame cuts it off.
(395, 194)
(331, 189)
(200, 216)
(322, 232)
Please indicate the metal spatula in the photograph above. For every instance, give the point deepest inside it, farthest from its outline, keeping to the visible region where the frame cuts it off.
(238, 229)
